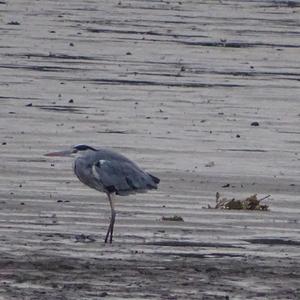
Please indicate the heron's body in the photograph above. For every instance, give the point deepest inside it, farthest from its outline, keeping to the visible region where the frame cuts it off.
(110, 172)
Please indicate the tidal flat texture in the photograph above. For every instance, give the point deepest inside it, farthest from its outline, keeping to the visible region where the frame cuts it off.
(204, 94)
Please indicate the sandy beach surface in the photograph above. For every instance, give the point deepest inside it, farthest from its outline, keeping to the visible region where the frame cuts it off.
(178, 87)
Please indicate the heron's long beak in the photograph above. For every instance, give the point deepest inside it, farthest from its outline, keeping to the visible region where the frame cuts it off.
(59, 153)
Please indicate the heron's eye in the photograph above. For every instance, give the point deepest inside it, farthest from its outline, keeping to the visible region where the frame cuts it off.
(74, 151)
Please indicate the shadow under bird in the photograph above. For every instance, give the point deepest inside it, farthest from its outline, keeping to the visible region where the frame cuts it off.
(110, 172)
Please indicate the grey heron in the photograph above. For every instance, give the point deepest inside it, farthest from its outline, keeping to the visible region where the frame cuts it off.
(110, 172)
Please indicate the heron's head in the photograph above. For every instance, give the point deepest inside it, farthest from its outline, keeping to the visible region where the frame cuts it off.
(80, 149)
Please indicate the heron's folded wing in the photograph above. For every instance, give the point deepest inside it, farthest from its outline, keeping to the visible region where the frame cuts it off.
(122, 176)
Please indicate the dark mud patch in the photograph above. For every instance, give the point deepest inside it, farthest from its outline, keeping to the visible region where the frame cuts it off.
(200, 255)
(53, 55)
(244, 150)
(56, 276)
(158, 83)
(38, 160)
(60, 108)
(145, 32)
(38, 68)
(19, 98)
(273, 242)
(238, 44)
(191, 244)
(116, 131)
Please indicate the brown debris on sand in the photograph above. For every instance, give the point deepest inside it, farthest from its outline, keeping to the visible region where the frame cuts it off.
(250, 203)
(174, 218)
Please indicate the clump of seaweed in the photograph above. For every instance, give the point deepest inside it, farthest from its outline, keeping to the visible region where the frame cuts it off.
(250, 203)
(174, 218)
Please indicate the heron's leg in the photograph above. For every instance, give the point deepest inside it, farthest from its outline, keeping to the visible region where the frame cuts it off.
(110, 229)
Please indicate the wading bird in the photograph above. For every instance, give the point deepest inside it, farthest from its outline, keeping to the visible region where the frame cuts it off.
(109, 172)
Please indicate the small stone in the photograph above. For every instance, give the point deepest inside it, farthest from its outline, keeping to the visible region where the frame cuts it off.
(71, 101)
(226, 185)
(255, 124)
(28, 105)
(13, 23)
(238, 136)
(210, 164)
(71, 45)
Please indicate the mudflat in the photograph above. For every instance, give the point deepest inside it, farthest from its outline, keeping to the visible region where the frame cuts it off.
(204, 95)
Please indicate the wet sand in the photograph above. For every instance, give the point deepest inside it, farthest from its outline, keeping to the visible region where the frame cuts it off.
(174, 86)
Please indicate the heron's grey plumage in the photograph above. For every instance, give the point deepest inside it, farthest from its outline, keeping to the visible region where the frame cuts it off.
(109, 172)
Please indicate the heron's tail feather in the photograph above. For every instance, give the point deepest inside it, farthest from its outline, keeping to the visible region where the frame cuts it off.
(155, 179)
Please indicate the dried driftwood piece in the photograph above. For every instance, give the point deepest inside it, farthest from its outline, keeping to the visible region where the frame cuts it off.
(250, 203)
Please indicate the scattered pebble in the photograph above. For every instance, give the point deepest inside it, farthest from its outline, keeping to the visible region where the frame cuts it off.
(210, 164)
(60, 201)
(13, 23)
(254, 124)
(103, 294)
(226, 185)
(71, 101)
(82, 238)
(28, 105)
